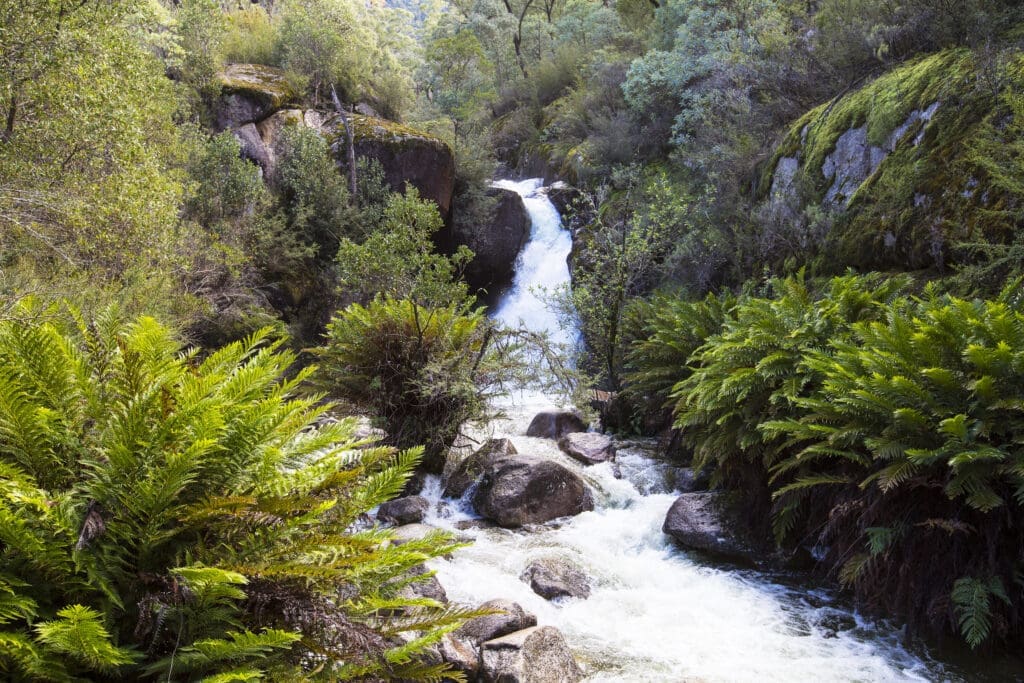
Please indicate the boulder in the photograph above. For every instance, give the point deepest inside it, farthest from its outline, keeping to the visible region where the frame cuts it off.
(462, 655)
(710, 522)
(411, 532)
(508, 618)
(523, 489)
(271, 130)
(553, 578)
(252, 145)
(407, 155)
(495, 244)
(428, 587)
(407, 510)
(589, 448)
(534, 655)
(576, 209)
(555, 424)
(250, 93)
(467, 472)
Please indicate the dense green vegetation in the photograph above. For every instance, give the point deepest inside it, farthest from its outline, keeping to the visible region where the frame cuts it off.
(797, 240)
(878, 427)
(166, 516)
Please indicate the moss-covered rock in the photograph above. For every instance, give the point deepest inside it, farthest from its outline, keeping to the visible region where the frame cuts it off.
(250, 93)
(407, 155)
(897, 164)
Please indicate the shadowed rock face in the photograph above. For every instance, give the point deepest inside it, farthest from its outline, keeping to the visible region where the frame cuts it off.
(524, 489)
(709, 522)
(407, 155)
(555, 425)
(496, 244)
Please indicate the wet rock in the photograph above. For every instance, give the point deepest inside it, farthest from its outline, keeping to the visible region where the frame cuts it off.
(250, 93)
(589, 448)
(553, 578)
(709, 522)
(508, 617)
(523, 489)
(467, 472)
(689, 481)
(428, 587)
(534, 655)
(495, 244)
(407, 510)
(575, 208)
(555, 424)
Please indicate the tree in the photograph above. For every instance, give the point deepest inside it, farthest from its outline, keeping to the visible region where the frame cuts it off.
(398, 258)
(86, 162)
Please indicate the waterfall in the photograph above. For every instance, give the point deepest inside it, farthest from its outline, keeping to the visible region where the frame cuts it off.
(541, 267)
(656, 613)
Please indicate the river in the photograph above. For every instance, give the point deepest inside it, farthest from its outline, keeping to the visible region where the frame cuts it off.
(656, 613)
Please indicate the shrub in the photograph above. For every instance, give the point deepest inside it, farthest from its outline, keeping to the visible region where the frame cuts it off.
(753, 372)
(673, 328)
(423, 371)
(166, 516)
(913, 436)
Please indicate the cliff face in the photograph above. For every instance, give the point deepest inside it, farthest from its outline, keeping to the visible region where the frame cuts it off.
(897, 169)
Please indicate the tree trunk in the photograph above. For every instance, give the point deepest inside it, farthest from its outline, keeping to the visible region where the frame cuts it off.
(353, 185)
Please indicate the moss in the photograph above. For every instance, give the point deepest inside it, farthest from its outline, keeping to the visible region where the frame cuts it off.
(257, 80)
(923, 198)
(396, 135)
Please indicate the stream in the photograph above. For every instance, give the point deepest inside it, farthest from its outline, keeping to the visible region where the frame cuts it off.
(656, 613)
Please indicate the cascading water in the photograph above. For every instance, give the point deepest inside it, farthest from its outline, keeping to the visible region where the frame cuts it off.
(541, 267)
(655, 613)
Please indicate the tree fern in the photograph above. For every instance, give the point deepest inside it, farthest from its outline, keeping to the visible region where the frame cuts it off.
(171, 517)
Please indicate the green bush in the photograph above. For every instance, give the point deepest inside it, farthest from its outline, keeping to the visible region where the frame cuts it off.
(753, 372)
(672, 329)
(914, 437)
(423, 371)
(166, 516)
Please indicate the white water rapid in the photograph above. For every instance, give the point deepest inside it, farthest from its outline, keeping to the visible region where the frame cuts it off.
(541, 267)
(656, 613)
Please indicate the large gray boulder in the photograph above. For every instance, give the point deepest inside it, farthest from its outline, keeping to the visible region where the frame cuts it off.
(467, 472)
(405, 510)
(250, 93)
(495, 244)
(508, 617)
(407, 155)
(534, 655)
(589, 448)
(426, 587)
(553, 578)
(252, 147)
(710, 522)
(523, 489)
(555, 424)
